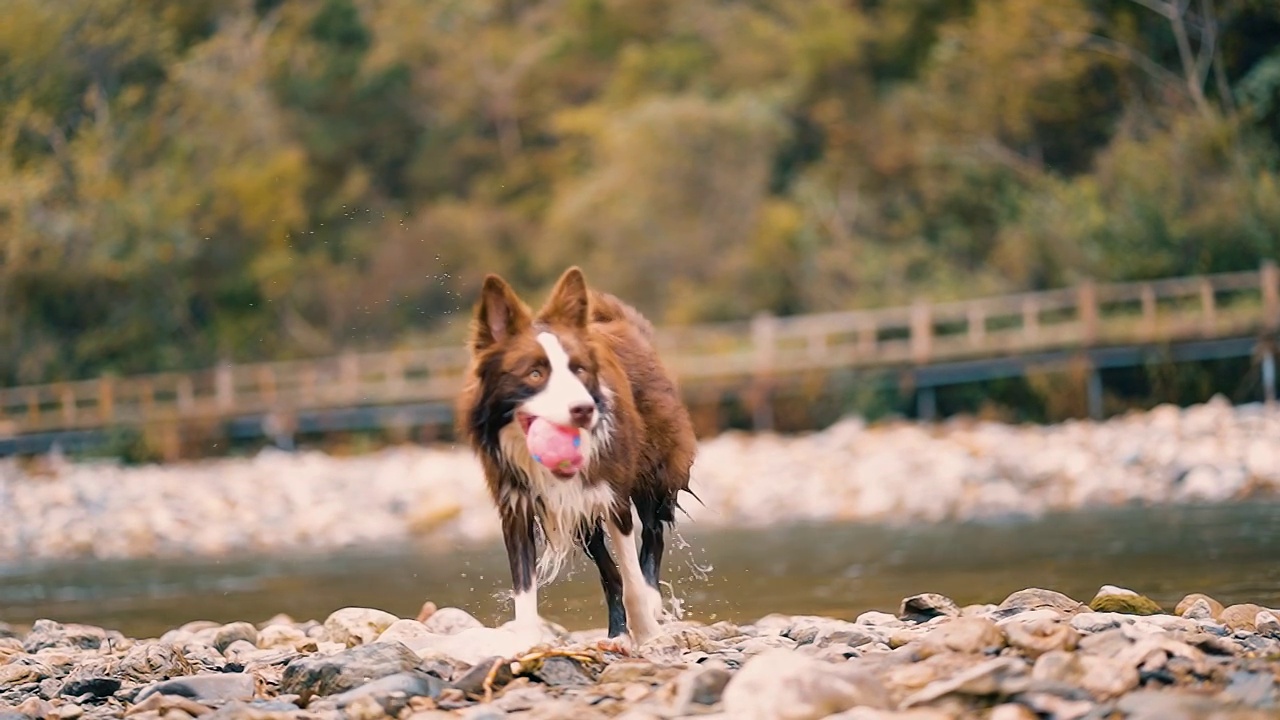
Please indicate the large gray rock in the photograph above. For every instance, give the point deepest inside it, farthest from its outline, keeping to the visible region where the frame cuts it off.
(49, 634)
(209, 688)
(450, 621)
(356, 626)
(786, 685)
(393, 692)
(331, 674)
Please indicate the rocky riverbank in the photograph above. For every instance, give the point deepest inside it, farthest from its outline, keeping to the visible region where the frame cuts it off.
(1037, 654)
(851, 471)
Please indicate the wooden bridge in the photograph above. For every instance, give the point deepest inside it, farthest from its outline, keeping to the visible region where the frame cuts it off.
(926, 345)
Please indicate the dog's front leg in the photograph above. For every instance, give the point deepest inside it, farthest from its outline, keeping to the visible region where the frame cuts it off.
(522, 554)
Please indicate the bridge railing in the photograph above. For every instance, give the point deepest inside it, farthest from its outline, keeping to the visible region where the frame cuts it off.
(1169, 310)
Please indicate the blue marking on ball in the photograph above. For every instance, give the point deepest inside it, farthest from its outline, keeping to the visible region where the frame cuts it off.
(577, 440)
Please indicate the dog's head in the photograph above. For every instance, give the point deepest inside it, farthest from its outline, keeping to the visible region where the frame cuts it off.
(528, 365)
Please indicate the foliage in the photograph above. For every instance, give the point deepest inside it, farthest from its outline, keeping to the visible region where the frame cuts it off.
(183, 181)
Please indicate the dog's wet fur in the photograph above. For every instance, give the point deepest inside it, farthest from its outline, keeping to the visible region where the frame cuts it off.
(585, 359)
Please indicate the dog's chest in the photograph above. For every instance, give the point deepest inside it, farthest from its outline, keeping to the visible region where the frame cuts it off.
(561, 505)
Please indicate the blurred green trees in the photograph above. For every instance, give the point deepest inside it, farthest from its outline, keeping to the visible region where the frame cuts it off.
(183, 181)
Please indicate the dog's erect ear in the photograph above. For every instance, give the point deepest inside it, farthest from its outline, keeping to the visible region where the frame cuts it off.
(568, 302)
(499, 314)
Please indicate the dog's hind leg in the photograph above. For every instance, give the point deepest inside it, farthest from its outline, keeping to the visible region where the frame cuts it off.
(610, 579)
(653, 514)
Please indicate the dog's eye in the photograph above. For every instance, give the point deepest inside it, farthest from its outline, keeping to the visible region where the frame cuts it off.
(535, 374)
(580, 371)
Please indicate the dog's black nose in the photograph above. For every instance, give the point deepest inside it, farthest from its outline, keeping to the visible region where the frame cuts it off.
(581, 414)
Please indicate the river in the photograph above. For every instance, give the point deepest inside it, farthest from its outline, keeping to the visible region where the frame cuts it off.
(1228, 551)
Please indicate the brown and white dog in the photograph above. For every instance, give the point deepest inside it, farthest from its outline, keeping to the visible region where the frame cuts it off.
(585, 360)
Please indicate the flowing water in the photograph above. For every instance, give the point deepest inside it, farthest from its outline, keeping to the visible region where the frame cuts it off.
(839, 570)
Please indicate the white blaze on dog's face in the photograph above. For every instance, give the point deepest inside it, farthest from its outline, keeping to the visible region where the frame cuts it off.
(564, 399)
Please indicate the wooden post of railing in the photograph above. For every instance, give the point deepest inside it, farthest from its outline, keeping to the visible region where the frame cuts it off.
(764, 331)
(224, 387)
(921, 332)
(1149, 322)
(1269, 373)
(33, 407)
(1030, 319)
(106, 400)
(1270, 283)
(977, 318)
(68, 401)
(267, 385)
(186, 395)
(1087, 300)
(394, 373)
(868, 336)
(309, 383)
(1208, 306)
(816, 343)
(146, 398)
(349, 370)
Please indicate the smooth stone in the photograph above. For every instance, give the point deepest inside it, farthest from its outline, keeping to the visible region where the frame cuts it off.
(95, 686)
(823, 632)
(1215, 607)
(1037, 598)
(785, 685)
(1252, 689)
(633, 671)
(1267, 624)
(1012, 711)
(285, 637)
(1105, 678)
(260, 710)
(450, 621)
(1199, 609)
(230, 633)
(240, 651)
(147, 661)
(1174, 705)
(1122, 600)
(1241, 617)
(562, 672)
(699, 687)
(413, 634)
(963, 635)
(332, 674)
(221, 687)
(49, 634)
(765, 643)
(165, 704)
(926, 606)
(1035, 637)
(875, 617)
(1096, 622)
(353, 626)
(36, 708)
(1000, 675)
(866, 713)
(494, 670)
(392, 692)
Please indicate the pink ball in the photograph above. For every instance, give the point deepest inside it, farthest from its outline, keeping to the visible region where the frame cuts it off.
(556, 447)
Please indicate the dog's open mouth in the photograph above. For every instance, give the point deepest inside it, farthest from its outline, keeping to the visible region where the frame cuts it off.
(555, 447)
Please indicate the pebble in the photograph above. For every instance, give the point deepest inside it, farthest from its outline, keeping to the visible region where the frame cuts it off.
(1037, 654)
(278, 501)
